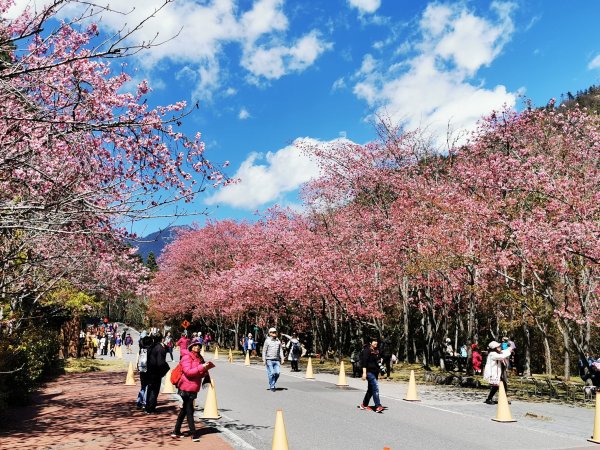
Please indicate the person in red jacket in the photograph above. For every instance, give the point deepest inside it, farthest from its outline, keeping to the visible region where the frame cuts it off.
(195, 373)
(477, 359)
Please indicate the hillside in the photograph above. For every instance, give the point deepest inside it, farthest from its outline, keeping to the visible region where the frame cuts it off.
(156, 242)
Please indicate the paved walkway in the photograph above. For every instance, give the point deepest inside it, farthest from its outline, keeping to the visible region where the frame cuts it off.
(96, 410)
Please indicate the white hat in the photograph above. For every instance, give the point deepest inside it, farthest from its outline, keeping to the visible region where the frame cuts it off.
(493, 345)
(272, 330)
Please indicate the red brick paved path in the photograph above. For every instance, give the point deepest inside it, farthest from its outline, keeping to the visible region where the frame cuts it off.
(97, 411)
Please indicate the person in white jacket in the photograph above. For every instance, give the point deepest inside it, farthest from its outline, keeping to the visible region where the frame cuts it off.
(495, 368)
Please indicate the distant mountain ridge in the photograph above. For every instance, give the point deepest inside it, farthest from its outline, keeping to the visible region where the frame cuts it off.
(157, 241)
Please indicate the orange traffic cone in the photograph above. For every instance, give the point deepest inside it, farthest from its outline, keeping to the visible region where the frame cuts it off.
(342, 376)
(230, 357)
(595, 438)
(130, 381)
(216, 352)
(280, 441)
(411, 394)
(309, 372)
(503, 412)
(211, 409)
(168, 388)
(202, 351)
(247, 362)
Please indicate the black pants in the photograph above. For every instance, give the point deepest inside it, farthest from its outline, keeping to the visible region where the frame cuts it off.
(152, 391)
(295, 365)
(187, 410)
(388, 366)
(494, 389)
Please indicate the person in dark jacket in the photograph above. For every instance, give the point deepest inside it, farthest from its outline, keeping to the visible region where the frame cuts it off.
(370, 359)
(386, 356)
(157, 369)
(146, 344)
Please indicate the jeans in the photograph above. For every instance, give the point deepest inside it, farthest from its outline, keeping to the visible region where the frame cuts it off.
(187, 410)
(273, 370)
(372, 390)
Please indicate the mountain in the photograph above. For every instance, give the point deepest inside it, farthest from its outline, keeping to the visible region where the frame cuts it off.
(156, 242)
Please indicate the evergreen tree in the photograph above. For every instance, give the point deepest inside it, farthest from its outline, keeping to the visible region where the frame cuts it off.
(151, 262)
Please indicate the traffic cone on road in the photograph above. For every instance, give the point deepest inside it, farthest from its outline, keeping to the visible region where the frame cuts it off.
(216, 352)
(342, 376)
(280, 441)
(503, 412)
(247, 362)
(130, 381)
(595, 438)
(309, 372)
(230, 357)
(411, 394)
(137, 360)
(202, 351)
(168, 388)
(211, 409)
(119, 352)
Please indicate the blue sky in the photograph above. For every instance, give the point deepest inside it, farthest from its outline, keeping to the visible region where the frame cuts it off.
(268, 72)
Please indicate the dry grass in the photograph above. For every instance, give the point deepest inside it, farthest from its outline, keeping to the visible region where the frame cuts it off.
(83, 365)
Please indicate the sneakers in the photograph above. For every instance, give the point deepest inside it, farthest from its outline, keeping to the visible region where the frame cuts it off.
(176, 435)
(196, 438)
(273, 389)
(379, 409)
(365, 407)
(489, 402)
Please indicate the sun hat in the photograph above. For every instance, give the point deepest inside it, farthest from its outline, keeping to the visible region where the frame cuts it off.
(194, 342)
(493, 345)
(272, 330)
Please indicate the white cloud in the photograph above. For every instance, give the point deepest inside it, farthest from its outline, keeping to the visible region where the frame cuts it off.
(194, 33)
(243, 114)
(436, 86)
(277, 61)
(365, 6)
(338, 84)
(594, 63)
(266, 178)
(229, 92)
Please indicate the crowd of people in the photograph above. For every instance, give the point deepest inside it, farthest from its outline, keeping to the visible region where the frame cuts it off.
(103, 340)
(370, 361)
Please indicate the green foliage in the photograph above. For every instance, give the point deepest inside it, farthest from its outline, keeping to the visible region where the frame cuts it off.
(151, 262)
(27, 360)
(68, 298)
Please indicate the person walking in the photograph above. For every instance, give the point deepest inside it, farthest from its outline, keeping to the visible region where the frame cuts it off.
(495, 369)
(183, 344)
(294, 351)
(169, 344)
(272, 356)
(146, 343)
(128, 342)
(370, 359)
(157, 369)
(194, 375)
(386, 356)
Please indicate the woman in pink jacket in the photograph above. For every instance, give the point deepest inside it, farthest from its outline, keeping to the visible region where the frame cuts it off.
(195, 371)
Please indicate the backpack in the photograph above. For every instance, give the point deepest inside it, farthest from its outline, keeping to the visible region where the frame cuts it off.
(176, 374)
(296, 349)
(143, 360)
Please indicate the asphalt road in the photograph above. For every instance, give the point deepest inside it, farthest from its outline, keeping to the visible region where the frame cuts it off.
(318, 415)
